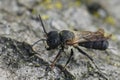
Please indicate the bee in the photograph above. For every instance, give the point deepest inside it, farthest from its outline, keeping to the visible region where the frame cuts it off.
(59, 40)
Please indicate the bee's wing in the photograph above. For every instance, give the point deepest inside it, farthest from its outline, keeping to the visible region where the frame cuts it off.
(90, 36)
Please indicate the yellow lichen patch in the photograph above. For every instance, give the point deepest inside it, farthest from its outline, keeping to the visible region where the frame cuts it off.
(45, 17)
(58, 5)
(110, 20)
(48, 4)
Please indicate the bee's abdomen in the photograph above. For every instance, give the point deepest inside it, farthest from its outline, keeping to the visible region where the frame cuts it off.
(100, 45)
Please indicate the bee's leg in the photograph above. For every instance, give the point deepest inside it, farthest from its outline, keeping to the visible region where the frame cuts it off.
(84, 53)
(36, 43)
(70, 57)
(56, 58)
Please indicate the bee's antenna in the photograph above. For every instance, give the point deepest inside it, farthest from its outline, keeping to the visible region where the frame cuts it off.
(38, 41)
(42, 24)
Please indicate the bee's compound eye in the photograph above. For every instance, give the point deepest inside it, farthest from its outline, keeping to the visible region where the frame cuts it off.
(53, 39)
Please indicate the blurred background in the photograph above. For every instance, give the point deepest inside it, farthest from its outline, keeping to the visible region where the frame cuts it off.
(19, 21)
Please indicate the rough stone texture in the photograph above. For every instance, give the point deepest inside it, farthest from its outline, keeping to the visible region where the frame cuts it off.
(20, 28)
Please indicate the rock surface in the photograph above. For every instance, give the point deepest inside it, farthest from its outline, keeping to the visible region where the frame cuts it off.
(20, 28)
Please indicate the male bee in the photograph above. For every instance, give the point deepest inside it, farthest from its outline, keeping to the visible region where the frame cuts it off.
(87, 39)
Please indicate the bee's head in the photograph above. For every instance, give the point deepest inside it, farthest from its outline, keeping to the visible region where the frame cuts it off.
(53, 40)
